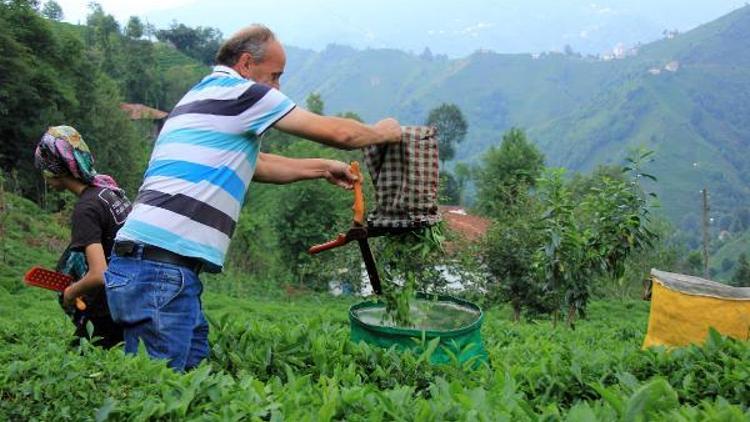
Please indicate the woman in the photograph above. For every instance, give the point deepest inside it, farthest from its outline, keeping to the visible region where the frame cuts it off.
(67, 164)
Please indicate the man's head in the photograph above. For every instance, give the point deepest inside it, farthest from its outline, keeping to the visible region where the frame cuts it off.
(255, 54)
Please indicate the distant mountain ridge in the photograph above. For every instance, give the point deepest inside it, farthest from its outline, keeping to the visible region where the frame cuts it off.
(687, 97)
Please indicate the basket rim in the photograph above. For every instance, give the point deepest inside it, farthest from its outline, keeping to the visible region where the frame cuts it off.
(415, 332)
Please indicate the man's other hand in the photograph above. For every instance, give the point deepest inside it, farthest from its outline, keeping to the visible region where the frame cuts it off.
(338, 173)
(390, 128)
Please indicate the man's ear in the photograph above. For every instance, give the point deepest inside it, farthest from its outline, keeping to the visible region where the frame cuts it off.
(244, 64)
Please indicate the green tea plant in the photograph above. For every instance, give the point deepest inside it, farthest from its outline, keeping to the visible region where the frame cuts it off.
(404, 260)
(291, 358)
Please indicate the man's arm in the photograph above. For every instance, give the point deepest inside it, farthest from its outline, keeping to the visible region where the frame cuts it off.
(271, 168)
(339, 132)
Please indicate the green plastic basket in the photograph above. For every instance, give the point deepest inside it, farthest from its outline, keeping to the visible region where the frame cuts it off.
(465, 343)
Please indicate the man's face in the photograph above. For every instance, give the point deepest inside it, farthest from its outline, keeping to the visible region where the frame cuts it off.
(269, 70)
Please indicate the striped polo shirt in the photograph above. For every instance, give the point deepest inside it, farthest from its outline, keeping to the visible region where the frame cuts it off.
(201, 167)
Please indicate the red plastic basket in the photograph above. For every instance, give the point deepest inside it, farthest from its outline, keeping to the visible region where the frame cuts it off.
(47, 279)
(51, 280)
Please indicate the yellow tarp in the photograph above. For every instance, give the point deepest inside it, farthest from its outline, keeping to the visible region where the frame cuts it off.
(683, 308)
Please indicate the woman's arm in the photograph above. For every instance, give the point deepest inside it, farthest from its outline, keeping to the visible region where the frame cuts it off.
(94, 278)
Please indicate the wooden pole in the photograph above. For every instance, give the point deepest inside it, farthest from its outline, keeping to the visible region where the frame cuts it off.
(705, 234)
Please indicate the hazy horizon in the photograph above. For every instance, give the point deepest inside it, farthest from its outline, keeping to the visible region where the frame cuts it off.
(514, 27)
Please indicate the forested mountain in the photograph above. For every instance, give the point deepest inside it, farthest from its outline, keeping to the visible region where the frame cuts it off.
(686, 97)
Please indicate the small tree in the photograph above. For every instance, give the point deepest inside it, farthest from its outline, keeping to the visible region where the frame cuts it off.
(504, 170)
(199, 43)
(463, 173)
(52, 10)
(350, 115)
(557, 260)
(451, 129)
(508, 251)
(592, 236)
(741, 277)
(134, 29)
(314, 103)
(694, 263)
(449, 191)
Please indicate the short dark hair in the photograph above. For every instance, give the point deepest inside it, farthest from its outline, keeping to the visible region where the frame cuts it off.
(252, 39)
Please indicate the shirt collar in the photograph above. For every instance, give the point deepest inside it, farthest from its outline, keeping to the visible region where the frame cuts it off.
(227, 70)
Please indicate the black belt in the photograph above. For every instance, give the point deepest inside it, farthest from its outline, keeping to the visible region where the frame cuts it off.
(153, 253)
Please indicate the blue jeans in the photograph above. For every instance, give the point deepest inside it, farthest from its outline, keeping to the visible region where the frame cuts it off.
(159, 304)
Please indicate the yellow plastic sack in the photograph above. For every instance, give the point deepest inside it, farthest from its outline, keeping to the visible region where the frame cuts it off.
(684, 307)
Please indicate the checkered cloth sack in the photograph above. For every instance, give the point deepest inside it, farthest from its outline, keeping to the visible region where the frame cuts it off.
(406, 178)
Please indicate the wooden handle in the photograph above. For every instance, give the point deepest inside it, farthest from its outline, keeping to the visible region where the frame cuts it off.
(359, 198)
(338, 241)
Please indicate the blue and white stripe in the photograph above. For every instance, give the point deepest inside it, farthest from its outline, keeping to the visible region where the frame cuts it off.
(202, 165)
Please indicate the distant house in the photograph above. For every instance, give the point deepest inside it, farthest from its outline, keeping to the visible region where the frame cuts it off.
(672, 66)
(143, 112)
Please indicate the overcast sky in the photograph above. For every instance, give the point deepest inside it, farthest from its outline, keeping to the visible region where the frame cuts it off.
(453, 28)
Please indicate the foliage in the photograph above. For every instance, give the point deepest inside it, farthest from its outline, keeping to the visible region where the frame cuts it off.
(741, 277)
(451, 128)
(58, 82)
(408, 263)
(549, 245)
(290, 357)
(596, 236)
(508, 251)
(200, 43)
(314, 103)
(505, 171)
(449, 190)
(52, 10)
(134, 28)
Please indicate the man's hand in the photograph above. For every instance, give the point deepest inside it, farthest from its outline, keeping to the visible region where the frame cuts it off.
(390, 128)
(339, 174)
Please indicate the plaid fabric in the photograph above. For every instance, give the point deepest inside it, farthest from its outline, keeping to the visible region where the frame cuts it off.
(406, 178)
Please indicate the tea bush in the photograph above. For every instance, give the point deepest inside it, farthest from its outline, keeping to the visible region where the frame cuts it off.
(292, 360)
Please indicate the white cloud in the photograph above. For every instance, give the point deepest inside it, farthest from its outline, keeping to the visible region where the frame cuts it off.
(76, 10)
(474, 30)
(602, 10)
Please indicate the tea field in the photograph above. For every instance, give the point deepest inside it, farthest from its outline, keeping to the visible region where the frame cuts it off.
(283, 357)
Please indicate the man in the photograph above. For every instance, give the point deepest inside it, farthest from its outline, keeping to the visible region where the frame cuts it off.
(203, 161)
(67, 164)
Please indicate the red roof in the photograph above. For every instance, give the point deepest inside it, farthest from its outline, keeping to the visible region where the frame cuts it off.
(471, 227)
(142, 112)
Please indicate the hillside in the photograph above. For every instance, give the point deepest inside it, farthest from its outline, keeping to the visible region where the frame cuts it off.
(292, 358)
(582, 111)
